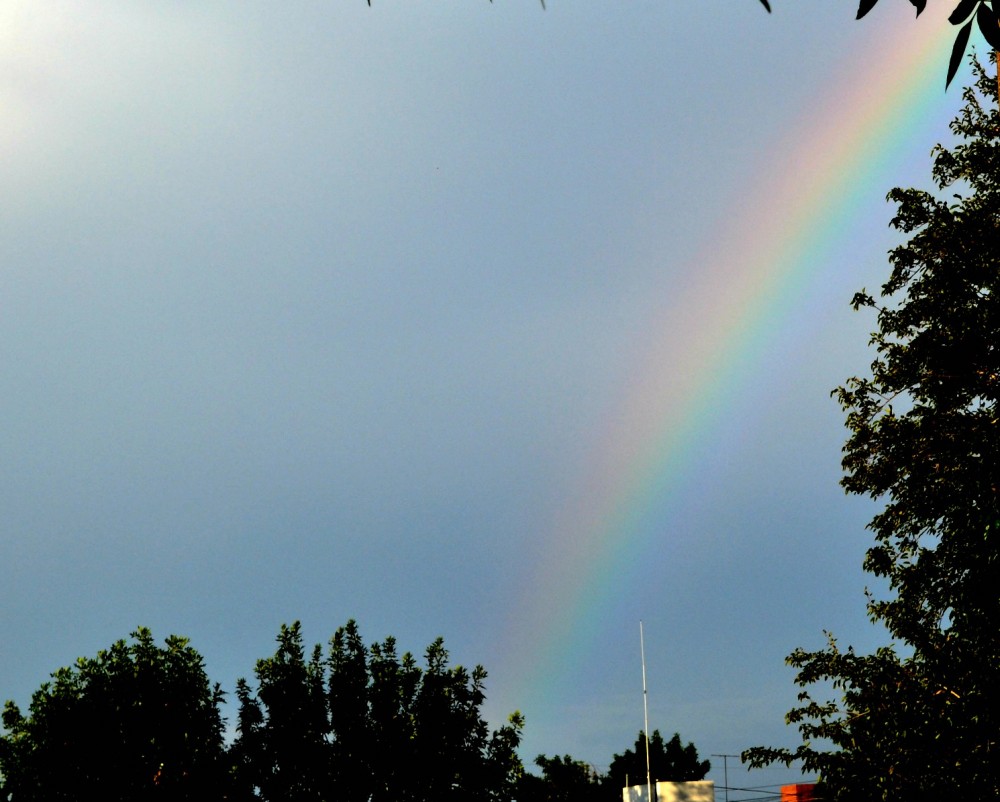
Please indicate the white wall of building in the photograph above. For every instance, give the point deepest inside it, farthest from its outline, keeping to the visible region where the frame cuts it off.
(695, 791)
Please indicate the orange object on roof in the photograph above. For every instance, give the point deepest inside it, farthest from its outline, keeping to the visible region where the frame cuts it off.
(799, 792)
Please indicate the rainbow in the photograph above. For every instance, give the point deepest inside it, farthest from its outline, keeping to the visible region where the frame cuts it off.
(820, 178)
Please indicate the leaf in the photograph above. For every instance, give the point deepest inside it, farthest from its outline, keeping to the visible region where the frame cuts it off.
(989, 25)
(920, 5)
(963, 11)
(958, 51)
(864, 7)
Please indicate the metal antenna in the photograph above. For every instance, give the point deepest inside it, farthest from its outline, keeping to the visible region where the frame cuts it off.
(645, 713)
(725, 771)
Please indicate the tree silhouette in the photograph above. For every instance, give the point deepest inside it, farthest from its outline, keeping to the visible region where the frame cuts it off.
(922, 722)
(669, 761)
(282, 750)
(563, 780)
(967, 13)
(364, 724)
(137, 722)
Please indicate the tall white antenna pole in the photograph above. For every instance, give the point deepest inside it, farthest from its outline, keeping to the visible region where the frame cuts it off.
(645, 713)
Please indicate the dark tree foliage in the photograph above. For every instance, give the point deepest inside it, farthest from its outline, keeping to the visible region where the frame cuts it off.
(981, 14)
(563, 780)
(919, 719)
(669, 761)
(282, 748)
(138, 722)
(348, 703)
(364, 724)
(392, 687)
(967, 14)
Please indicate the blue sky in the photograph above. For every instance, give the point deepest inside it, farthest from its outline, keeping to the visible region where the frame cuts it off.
(316, 311)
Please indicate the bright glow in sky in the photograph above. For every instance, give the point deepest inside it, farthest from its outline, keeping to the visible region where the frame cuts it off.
(456, 318)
